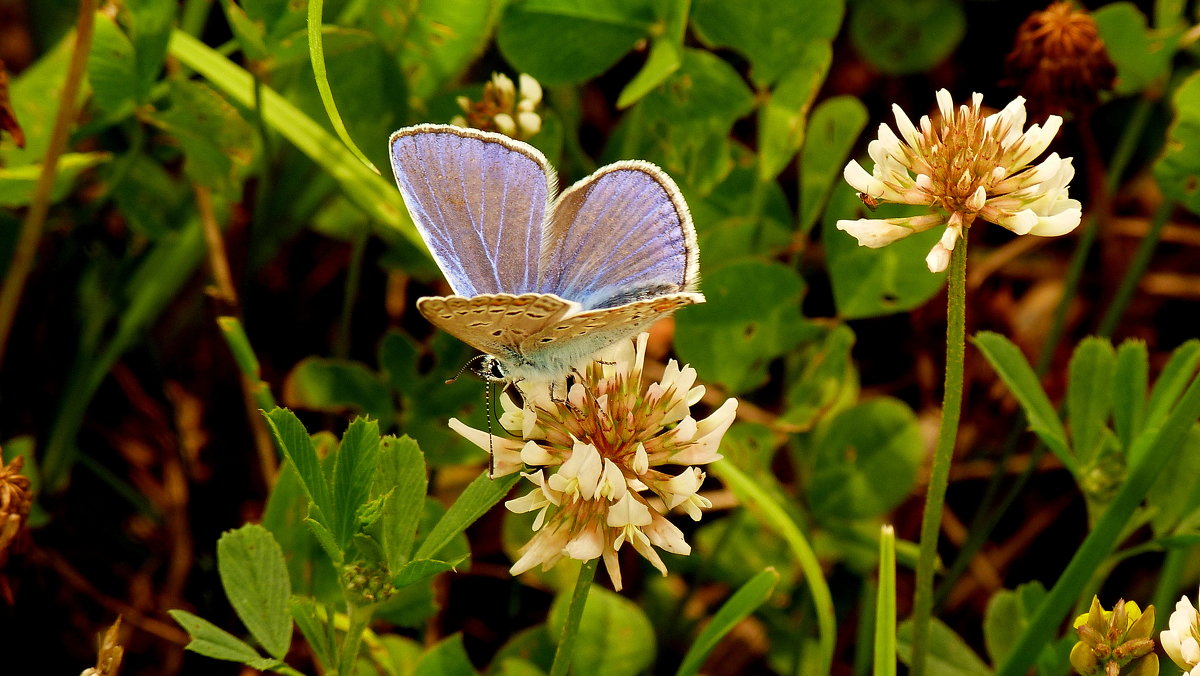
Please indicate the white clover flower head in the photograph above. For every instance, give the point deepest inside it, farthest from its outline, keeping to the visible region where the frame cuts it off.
(1181, 640)
(964, 166)
(602, 460)
(508, 108)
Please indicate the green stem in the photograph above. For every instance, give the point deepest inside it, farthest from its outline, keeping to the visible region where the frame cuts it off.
(752, 493)
(939, 474)
(39, 205)
(1116, 169)
(1141, 259)
(1169, 582)
(341, 341)
(360, 616)
(1155, 446)
(566, 644)
(885, 606)
(195, 15)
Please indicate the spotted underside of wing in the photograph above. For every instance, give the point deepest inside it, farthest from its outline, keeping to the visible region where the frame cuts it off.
(498, 324)
(596, 329)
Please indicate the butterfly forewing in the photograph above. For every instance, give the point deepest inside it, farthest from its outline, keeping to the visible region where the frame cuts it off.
(479, 200)
(623, 234)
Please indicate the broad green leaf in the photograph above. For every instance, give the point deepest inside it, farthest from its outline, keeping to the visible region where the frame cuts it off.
(1130, 379)
(17, 183)
(948, 655)
(1090, 396)
(148, 196)
(354, 468)
(150, 31)
(112, 69)
(1018, 375)
(898, 38)
(515, 666)
(401, 475)
(445, 658)
(666, 56)
(866, 460)
(744, 601)
(739, 550)
(309, 620)
(338, 386)
(752, 316)
(212, 641)
(280, 18)
(35, 96)
(250, 34)
(569, 41)
(783, 118)
(217, 143)
(1007, 613)
(823, 379)
(422, 569)
(1142, 55)
(474, 502)
(683, 125)
(534, 645)
(1178, 169)
(615, 637)
(728, 221)
(402, 654)
(418, 374)
(872, 282)
(1171, 382)
(833, 127)
(295, 444)
(774, 36)
(440, 38)
(254, 575)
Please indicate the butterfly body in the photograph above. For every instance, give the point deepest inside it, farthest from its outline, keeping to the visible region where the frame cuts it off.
(541, 284)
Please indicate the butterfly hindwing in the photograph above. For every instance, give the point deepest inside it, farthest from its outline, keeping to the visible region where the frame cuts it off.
(498, 324)
(479, 200)
(593, 330)
(622, 234)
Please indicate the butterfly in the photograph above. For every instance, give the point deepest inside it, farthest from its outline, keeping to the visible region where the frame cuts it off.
(542, 282)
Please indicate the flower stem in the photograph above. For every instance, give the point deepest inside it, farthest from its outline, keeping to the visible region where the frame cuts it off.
(1141, 259)
(939, 475)
(566, 644)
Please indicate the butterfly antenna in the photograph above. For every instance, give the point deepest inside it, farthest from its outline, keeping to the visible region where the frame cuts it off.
(489, 390)
(466, 366)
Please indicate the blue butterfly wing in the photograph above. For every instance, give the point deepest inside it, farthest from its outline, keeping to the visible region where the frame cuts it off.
(621, 235)
(479, 201)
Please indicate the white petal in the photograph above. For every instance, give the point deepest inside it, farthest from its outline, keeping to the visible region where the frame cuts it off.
(878, 232)
(945, 105)
(938, 258)
(862, 181)
(905, 125)
(1059, 224)
(1020, 222)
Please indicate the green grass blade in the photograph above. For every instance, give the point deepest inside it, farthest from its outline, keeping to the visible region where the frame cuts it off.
(743, 602)
(316, 52)
(773, 514)
(885, 606)
(476, 500)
